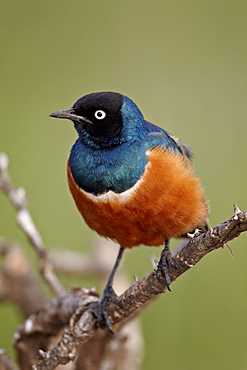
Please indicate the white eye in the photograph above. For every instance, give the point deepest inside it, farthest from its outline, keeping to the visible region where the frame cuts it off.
(100, 114)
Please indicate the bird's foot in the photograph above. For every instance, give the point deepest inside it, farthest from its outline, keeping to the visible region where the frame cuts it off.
(103, 318)
(165, 261)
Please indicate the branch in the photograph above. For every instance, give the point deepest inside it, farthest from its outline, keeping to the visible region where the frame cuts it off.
(19, 200)
(80, 320)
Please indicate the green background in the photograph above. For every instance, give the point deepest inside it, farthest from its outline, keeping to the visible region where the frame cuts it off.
(185, 64)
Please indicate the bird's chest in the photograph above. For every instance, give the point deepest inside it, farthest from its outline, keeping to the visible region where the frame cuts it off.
(98, 172)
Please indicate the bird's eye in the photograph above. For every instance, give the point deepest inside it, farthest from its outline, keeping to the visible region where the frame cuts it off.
(100, 114)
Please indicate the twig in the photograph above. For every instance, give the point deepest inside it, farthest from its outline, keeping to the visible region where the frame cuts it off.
(83, 325)
(25, 221)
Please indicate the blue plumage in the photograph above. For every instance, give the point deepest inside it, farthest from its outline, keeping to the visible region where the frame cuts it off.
(116, 163)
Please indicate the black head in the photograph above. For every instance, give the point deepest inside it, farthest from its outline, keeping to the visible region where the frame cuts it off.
(97, 114)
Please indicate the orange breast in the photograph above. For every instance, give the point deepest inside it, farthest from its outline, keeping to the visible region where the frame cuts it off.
(168, 201)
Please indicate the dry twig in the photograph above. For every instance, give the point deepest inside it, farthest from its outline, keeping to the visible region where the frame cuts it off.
(25, 221)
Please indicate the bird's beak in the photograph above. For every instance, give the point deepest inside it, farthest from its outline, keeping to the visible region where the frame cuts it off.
(69, 114)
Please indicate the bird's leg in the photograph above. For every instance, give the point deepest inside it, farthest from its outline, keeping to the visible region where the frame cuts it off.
(163, 265)
(109, 295)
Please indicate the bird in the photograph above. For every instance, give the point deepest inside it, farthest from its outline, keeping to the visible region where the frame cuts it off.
(131, 180)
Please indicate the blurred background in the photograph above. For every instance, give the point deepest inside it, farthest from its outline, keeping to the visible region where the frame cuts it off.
(184, 64)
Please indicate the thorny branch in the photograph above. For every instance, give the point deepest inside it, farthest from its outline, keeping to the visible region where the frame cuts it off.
(65, 329)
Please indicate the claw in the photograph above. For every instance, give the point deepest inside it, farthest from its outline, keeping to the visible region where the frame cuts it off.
(165, 261)
(109, 296)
